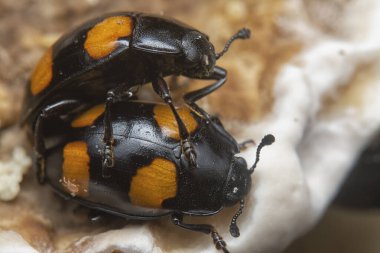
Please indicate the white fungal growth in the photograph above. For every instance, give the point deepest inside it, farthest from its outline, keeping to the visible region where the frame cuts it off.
(11, 172)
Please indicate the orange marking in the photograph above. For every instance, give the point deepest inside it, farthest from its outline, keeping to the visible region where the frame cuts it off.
(154, 183)
(102, 39)
(43, 73)
(166, 120)
(88, 117)
(76, 165)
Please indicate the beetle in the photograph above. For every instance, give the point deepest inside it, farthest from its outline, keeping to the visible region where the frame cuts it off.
(151, 177)
(106, 58)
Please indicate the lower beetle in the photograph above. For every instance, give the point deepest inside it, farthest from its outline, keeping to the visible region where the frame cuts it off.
(151, 177)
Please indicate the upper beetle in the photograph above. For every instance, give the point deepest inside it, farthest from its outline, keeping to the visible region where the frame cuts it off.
(106, 58)
(151, 177)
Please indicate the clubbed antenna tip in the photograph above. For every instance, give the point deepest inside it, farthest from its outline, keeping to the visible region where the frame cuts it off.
(244, 33)
(234, 229)
(267, 140)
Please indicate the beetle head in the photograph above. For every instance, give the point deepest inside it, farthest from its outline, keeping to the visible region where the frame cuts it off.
(238, 182)
(199, 54)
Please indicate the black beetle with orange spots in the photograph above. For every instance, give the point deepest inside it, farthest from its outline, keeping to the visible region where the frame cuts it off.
(151, 177)
(106, 58)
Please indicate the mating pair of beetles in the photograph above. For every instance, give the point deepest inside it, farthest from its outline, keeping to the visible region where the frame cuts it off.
(123, 156)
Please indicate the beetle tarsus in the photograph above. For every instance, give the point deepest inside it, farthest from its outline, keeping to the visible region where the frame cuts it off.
(108, 161)
(189, 152)
(220, 244)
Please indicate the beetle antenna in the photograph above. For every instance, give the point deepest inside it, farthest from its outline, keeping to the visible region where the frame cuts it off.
(243, 34)
(267, 140)
(234, 229)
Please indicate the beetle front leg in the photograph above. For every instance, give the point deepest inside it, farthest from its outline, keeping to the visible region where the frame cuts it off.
(49, 111)
(220, 244)
(162, 89)
(190, 98)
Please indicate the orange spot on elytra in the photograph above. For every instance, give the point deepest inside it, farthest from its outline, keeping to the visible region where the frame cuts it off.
(43, 73)
(154, 183)
(168, 124)
(88, 117)
(102, 39)
(76, 165)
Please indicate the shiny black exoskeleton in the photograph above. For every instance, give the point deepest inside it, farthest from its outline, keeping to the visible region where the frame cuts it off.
(151, 177)
(106, 58)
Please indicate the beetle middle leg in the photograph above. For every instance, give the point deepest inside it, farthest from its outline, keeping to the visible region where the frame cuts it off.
(59, 108)
(220, 244)
(162, 89)
(113, 96)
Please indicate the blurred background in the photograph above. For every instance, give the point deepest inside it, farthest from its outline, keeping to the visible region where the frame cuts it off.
(352, 223)
(28, 27)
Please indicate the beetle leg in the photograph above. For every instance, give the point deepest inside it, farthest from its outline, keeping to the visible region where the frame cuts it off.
(162, 89)
(190, 98)
(112, 96)
(243, 145)
(219, 74)
(108, 161)
(49, 111)
(220, 244)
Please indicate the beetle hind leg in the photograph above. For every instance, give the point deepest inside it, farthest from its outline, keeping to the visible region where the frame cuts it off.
(220, 244)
